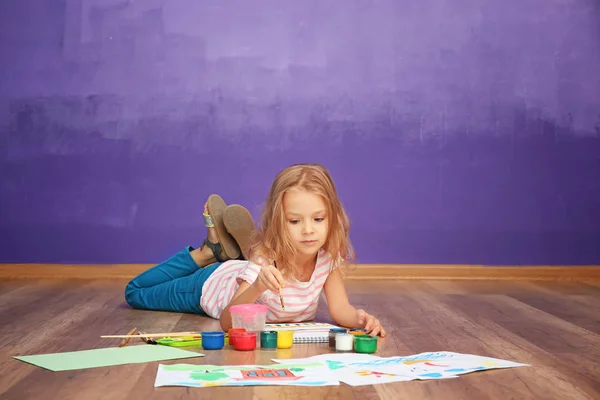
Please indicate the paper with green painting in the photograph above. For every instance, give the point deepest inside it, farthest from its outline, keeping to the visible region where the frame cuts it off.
(331, 369)
(106, 357)
(305, 374)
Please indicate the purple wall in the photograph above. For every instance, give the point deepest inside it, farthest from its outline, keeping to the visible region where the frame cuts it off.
(457, 131)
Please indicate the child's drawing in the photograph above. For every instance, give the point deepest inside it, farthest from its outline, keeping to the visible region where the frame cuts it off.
(305, 374)
(351, 368)
(331, 369)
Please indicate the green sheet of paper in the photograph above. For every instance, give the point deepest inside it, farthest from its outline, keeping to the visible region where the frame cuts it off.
(106, 357)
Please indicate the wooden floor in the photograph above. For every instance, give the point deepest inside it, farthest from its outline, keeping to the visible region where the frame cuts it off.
(554, 326)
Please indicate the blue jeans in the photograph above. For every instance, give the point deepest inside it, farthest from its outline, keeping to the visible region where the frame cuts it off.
(174, 285)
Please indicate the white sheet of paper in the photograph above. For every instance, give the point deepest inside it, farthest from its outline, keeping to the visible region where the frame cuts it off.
(363, 369)
(306, 374)
(330, 369)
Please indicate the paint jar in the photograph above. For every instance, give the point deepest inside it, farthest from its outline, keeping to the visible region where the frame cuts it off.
(365, 344)
(344, 341)
(268, 339)
(358, 331)
(245, 341)
(213, 340)
(332, 333)
(285, 339)
(251, 317)
(232, 332)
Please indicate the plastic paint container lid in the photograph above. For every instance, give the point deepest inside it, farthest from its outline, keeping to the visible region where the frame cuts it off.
(213, 340)
(365, 344)
(252, 317)
(248, 311)
(338, 330)
(268, 339)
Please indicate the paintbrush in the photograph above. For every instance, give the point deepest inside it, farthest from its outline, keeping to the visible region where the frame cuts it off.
(125, 341)
(153, 335)
(281, 299)
(280, 292)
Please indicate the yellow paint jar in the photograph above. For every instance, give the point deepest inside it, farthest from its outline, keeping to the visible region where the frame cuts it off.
(285, 339)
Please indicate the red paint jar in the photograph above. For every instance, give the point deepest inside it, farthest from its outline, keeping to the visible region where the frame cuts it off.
(233, 332)
(245, 341)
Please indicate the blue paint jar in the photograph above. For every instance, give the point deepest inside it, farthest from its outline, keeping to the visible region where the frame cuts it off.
(213, 340)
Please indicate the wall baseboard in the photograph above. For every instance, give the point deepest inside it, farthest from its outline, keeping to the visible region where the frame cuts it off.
(360, 271)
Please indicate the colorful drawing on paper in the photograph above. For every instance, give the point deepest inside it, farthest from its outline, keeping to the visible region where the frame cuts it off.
(331, 369)
(364, 369)
(305, 374)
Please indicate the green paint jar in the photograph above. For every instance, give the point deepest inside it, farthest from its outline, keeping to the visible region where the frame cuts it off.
(268, 339)
(365, 344)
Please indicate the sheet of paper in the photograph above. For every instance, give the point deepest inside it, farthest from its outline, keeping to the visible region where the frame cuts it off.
(305, 374)
(361, 369)
(107, 357)
(330, 369)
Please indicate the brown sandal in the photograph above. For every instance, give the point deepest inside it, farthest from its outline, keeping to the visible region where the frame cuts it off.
(216, 249)
(240, 225)
(226, 242)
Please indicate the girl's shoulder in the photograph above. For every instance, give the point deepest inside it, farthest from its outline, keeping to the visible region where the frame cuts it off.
(258, 259)
(324, 259)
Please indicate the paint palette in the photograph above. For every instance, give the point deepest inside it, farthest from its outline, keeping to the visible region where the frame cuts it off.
(184, 341)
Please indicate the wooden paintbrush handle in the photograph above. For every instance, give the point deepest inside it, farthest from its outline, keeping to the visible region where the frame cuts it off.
(126, 340)
(151, 335)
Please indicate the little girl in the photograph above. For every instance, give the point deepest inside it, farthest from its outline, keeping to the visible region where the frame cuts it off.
(302, 226)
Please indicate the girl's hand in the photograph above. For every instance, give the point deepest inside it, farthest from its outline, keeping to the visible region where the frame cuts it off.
(370, 323)
(269, 278)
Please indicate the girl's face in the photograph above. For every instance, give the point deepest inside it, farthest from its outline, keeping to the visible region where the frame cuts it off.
(307, 220)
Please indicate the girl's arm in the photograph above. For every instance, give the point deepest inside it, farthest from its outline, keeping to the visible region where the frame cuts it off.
(246, 294)
(342, 312)
(269, 278)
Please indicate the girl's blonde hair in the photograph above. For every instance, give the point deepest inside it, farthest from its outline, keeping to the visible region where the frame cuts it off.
(272, 239)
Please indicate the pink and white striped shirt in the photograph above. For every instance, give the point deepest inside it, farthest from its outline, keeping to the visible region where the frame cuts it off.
(300, 298)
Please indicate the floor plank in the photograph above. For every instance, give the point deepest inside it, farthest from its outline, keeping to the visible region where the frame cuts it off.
(554, 326)
(359, 272)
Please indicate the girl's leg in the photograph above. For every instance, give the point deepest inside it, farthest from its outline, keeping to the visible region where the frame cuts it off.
(174, 285)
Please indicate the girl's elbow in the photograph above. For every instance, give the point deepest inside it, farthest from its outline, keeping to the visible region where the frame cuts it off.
(335, 316)
(225, 322)
(224, 326)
